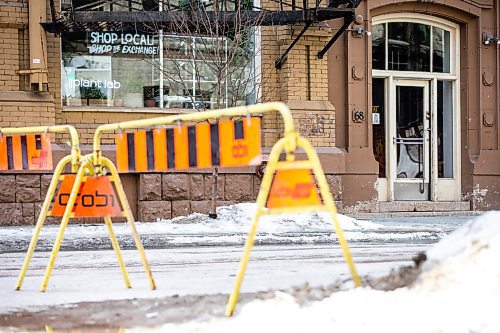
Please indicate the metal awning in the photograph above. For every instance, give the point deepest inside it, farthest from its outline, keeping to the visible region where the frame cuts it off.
(124, 16)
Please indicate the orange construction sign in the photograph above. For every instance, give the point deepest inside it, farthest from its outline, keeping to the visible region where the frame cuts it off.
(25, 152)
(228, 143)
(293, 188)
(96, 198)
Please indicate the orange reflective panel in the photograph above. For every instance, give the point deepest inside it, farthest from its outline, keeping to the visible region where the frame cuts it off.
(181, 147)
(240, 142)
(121, 152)
(62, 196)
(141, 158)
(39, 152)
(203, 148)
(160, 149)
(96, 198)
(17, 151)
(293, 188)
(3, 153)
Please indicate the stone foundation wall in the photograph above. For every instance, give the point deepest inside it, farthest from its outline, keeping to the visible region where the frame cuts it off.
(21, 197)
(152, 196)
(174, 194)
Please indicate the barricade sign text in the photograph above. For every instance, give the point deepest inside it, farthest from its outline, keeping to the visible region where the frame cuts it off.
(293, 188)
(25, 152)
(96, 198)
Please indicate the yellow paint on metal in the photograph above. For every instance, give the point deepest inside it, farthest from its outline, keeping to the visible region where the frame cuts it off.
(41, 218)
(273, 164)
(130, 218)
(64, 221)
(96, 163)
(200, 116)
(73, 134)
(116, 247)
(82, 166)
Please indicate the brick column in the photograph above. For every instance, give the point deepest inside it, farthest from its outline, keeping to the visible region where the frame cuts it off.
(304, 83)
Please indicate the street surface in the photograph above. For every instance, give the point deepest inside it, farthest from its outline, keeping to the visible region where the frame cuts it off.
(289, 259)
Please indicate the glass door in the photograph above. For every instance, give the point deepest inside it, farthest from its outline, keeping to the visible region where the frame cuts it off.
(410, 155)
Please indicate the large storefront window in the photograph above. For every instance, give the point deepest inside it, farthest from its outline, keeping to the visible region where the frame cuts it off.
(109, 69)
(131, 70)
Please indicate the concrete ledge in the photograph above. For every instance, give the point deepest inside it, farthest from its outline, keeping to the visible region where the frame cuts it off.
(25, 97)
(406, 207)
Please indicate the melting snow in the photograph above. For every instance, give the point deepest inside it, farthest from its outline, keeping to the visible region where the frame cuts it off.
(457, 291)
(230, 228)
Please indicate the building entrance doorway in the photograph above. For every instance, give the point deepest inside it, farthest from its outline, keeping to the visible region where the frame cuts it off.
(409, 140)
(415, 107)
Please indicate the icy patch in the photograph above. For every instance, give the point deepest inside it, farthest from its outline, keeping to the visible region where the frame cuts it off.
(458, 291)
(230, 228)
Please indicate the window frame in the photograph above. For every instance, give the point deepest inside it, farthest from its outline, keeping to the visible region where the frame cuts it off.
(431, 21)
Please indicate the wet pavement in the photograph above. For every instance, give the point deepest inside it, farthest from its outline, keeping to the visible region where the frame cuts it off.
(87, 293)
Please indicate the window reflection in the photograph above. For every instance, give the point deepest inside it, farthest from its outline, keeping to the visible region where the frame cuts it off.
(441, 50)
(378, 46)
(405, 46)
(409, 47)
(445, 128)
(378, 121)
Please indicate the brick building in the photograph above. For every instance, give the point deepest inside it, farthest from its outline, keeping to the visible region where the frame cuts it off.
(404, 118)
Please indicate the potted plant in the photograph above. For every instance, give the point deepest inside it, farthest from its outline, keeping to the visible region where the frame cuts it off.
(117, 98)
(149, 95)
(132, 96)
(94, 96)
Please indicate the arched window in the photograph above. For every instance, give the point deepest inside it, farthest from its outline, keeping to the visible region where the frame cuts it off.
(411, 46)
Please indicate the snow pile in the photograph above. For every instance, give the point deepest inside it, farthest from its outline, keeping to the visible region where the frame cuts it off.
(230, 228)
(237, 218)
(457, 291)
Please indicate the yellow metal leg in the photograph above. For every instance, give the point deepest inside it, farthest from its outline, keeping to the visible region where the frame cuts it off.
(130, 218)
(345, 248)
(116, 247)
(62, 228)
(261, 202)
(41, 218)
(330, 205)
(233, 298)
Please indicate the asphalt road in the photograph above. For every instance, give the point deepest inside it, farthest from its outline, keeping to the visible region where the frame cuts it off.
(82, 274)
(94, 275)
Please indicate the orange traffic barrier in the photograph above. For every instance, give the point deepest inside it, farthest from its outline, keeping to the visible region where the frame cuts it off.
(96, 198)
(25, 152)
(293, 188)
(227, 143)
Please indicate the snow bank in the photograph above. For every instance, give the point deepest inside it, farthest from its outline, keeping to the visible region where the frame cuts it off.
(457, 291)
(230, 228)
(237, 218)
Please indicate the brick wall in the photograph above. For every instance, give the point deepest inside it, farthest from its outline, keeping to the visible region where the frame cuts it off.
(19, 109)
(301, 83)
(171, 195)
(13, 22)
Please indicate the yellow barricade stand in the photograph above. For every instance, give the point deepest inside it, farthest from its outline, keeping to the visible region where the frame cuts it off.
(84, 168)
(74, 159)
(287, 186)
